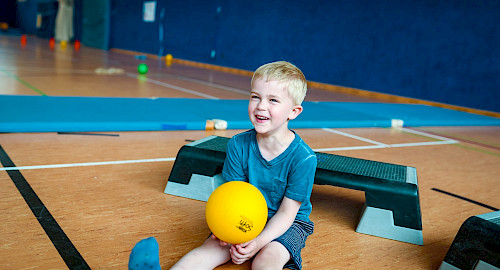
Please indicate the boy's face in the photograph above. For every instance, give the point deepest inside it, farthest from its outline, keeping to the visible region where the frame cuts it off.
(270, 107)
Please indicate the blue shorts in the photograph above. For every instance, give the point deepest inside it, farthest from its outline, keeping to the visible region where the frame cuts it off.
(294, 240)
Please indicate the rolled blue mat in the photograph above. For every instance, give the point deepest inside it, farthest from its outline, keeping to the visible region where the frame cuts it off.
(96, 114)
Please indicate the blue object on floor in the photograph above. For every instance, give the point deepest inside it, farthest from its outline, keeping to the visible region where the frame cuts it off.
(87, 114)
(145, 255)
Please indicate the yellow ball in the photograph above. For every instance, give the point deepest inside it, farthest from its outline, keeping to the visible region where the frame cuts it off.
(236, 212)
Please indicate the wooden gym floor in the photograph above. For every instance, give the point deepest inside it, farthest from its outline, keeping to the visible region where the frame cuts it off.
(105, 206)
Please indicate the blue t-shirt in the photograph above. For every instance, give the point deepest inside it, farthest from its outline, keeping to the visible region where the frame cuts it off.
(291, 174)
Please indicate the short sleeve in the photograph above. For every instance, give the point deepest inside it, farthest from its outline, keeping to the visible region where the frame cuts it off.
(301, 179)
(233, 164)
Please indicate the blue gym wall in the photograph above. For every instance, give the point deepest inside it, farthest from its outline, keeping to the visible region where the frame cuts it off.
(440, 50)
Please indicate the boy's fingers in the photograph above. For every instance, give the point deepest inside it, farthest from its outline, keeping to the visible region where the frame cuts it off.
(237, 261)
(235, 254)
(238, 258)
(240, 249)
(222, 243)
(244, 248)
(244, 244)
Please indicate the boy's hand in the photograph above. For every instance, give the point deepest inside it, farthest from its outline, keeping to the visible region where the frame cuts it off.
(243, 252)
(222, 243)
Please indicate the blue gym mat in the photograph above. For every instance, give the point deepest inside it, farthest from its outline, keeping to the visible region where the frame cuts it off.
(87, 114)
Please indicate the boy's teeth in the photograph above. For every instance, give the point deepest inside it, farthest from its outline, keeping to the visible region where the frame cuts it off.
(261, 117)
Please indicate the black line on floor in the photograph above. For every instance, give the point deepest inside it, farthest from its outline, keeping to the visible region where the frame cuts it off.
(90, 134)
(465, 199)
(59, 239)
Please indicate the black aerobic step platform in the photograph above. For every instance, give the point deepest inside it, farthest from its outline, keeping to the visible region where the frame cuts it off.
(476, 246)
(392, 208)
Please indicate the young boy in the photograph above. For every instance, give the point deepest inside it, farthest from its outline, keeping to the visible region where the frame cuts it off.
(280, 164)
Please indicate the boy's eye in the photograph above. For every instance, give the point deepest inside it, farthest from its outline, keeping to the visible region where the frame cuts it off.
(254, 97)
(273, 100)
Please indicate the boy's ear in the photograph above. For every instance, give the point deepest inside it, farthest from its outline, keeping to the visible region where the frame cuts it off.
(296, 110)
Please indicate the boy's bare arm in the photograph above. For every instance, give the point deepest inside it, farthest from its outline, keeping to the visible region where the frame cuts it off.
(276, 226)
(280, 222)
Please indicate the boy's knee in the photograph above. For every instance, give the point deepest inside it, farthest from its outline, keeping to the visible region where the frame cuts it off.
(272, 256)
(207, 256)
(179, 267)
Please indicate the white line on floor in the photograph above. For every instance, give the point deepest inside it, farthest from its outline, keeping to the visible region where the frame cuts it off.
(353, 136)
(220, 86)
(376, 145)
(185, 90)
(350, 148)
(53, 166)
(422, 143)
(426, 134)
(383, 146)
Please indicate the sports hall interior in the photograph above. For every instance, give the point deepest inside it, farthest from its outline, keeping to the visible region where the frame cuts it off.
(88, 141)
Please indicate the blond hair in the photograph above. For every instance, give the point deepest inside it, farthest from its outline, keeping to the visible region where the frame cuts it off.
(288, 74)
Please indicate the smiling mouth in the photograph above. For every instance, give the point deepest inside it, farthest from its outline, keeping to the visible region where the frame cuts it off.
(261, 117)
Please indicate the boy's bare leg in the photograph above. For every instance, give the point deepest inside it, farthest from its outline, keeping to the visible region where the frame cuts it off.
(207, 256)
(273, 256)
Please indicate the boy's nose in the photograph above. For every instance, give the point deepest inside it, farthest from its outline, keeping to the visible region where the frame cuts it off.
(261, 105)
